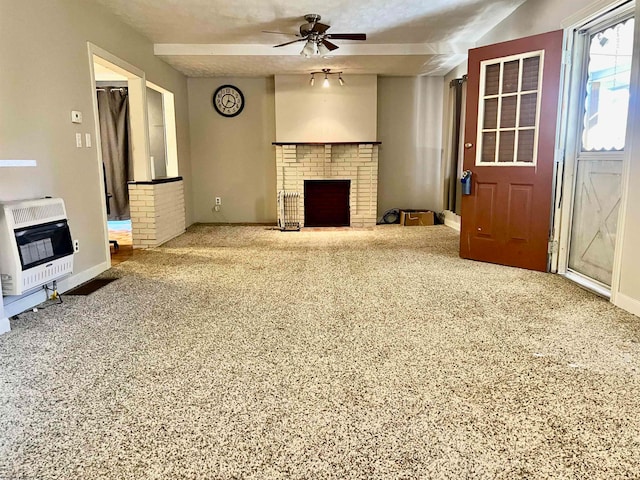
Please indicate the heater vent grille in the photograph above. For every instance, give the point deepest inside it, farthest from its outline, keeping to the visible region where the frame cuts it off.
(39, 213)
(47, 274)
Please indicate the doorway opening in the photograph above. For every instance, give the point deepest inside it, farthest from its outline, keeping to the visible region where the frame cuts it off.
(595, 148)
(143, 117)
(114, 126)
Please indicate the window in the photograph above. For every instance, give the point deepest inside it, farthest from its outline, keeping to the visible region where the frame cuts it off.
(509, 110)
(607, 90)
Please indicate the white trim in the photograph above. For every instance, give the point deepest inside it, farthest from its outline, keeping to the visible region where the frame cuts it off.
(452, 220)
(588, 283)
(5, 326)
(17, 305)
(590, 12)
(18, 163)
(631, 144)
(629, 304)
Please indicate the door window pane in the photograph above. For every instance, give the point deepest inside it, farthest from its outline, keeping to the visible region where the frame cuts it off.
(491, 113)
(492, 80)
(530, 73)
(509, 110)
(607, 91)
(507, 142)
(511, 77)
(526, 145)
(528, 109)
(489, 147)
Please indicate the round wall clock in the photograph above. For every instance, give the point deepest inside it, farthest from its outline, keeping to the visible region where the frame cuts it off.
(228, 101)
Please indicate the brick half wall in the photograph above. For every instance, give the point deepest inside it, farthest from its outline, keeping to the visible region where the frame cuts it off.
(157, 212)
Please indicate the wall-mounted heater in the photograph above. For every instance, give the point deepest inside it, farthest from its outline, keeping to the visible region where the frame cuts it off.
(288, 211)
(35, 244)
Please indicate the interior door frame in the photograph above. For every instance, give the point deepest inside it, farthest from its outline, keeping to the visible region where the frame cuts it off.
(136, 81)
(566, 158)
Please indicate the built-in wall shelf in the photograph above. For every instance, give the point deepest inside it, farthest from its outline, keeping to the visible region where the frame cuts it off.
(18, 163)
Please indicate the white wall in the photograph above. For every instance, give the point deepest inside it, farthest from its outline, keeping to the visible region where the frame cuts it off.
(233, 158)
(45, 74)
(410, 112)
(316, 114)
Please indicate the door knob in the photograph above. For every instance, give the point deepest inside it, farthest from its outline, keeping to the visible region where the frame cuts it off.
(468, 145)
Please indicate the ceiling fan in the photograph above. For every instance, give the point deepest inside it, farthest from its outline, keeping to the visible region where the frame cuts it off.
(315, 34)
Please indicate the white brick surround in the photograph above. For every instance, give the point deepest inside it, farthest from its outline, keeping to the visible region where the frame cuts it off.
(157, 212)
(357, 162)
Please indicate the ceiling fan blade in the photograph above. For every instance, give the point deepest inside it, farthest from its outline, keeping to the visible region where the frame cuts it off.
(347, 36)
(329, 45)
(289, 43)
(320, 28)
(281, 33)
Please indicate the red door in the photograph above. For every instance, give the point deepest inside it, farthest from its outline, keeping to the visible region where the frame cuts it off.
(510, 133)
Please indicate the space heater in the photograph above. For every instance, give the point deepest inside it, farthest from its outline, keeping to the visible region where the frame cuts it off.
(35, 244)
(288, 211)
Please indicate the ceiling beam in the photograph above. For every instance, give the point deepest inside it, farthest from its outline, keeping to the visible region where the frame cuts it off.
(223, 49)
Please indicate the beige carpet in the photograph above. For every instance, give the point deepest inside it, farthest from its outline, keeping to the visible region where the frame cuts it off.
(243, 352)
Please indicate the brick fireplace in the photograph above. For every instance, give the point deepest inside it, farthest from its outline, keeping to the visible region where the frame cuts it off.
(356, 162)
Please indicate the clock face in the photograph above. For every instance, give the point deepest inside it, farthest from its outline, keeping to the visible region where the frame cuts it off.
(228, 101)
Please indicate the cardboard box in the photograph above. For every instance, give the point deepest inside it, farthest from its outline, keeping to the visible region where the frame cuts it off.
(416, 218)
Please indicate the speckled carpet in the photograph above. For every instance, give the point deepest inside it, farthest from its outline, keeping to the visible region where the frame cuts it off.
(244, 352)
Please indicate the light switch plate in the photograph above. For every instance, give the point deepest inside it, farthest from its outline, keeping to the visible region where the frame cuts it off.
(79, 140)
(87, 140)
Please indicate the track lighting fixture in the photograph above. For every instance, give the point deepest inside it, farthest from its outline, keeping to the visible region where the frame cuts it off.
(325, 82)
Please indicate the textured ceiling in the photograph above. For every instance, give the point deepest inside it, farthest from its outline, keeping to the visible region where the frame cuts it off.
(240, 22)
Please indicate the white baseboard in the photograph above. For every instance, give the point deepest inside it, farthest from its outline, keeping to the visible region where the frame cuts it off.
(452, 220)
(629, 304)
(17, 305)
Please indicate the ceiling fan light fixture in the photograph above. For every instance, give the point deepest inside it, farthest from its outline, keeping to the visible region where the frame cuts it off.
(325, 82)
(312, 82)
(323, 50)
(341, 80)
(308, 49)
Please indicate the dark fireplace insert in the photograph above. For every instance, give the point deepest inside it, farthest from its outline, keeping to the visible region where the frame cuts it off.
(326, 203)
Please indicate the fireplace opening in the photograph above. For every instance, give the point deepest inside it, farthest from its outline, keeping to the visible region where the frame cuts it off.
(326, 203)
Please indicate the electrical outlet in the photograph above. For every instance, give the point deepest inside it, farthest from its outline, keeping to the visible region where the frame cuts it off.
(218, 201)
(76, 246)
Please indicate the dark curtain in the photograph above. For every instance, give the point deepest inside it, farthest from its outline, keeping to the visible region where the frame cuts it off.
(113, 111)
(455, 153)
